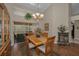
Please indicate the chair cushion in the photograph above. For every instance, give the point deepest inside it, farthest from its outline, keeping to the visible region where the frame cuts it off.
(42, 48)
(31, 45)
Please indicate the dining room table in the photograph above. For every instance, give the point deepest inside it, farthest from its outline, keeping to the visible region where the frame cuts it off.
(37, 41)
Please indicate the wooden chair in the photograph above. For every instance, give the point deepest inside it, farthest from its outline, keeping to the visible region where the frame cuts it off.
(45, 34)
(29, 46)
(47, 49)
(30, 33)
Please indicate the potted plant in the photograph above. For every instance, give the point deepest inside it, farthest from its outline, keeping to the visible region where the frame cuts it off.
(62, 28)
(28, 16)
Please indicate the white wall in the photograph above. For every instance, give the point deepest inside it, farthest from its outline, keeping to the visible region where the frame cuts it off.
(60, 16)
(14, 18)
(56, 15)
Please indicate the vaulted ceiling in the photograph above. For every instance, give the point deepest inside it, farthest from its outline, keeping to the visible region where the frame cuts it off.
(34, 6)
(75, 8)
(20, 9)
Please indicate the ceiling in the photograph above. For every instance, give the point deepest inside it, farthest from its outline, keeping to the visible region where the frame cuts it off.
(35, 6)
(75, 9)
(20, 9)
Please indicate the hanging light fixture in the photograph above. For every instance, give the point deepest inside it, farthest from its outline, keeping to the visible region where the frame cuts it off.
(38, 15)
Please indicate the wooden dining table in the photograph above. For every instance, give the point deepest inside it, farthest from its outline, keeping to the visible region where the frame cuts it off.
(37, 41)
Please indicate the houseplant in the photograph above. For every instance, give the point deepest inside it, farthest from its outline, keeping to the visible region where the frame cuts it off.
(28, 16)
(62, 28)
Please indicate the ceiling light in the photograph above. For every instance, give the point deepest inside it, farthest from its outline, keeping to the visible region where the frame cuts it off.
(38, 15)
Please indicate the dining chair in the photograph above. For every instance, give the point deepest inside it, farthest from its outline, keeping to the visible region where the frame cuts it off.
(29, 46)
(30, 33)
(45, 34)
(47, 48)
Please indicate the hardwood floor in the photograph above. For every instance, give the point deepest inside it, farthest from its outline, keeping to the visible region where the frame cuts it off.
(68, 50)
(19, 49)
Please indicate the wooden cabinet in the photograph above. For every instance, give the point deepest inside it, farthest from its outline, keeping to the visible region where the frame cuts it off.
(5, 48)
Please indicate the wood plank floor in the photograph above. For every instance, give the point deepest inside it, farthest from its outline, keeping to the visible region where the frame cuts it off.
(68, 50)
(19, 49)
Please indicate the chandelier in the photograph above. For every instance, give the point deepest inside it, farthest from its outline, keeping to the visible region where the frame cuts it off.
(38, 15)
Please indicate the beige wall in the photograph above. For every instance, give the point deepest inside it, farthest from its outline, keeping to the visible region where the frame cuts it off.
(14, 18)
(56, 15)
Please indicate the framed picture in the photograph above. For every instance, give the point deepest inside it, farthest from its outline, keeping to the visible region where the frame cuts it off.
(46, 26)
